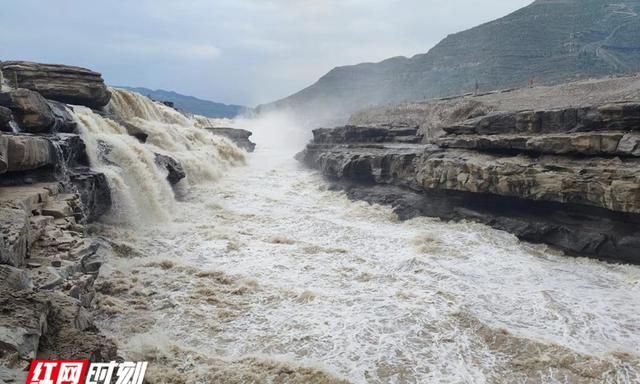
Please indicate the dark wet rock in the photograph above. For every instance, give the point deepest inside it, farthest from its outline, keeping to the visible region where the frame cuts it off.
(239, 137)
(64, 122)
(135, 131)
(71, 150)
(94, 191)
(63, 83)
(30, 109)
(6, 117)
(173, 167)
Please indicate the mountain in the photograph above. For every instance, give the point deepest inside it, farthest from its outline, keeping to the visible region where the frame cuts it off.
(191, 104)
(548, 41)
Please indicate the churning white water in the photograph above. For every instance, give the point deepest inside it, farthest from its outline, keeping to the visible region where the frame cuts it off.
(267, 277)
(139, 186)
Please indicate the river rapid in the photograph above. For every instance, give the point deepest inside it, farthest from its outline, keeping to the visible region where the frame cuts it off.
(266, 276)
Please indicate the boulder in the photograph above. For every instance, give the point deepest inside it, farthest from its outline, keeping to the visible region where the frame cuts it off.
(239, 137)
(64, 122)
(24, 152)
(71, 150)
(67, 84)
(94, 191)
(92, 253)
(30, 109)
(6, 117)
(134, 131)
(173, 167)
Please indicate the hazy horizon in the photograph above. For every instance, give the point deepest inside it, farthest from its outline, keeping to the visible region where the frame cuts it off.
(234, 52)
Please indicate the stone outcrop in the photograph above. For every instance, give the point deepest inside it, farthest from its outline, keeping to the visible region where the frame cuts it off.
(621, 116)
(6, 117)
(604, 143)
(25, 153)
(569, 177)
(240, 137)
(368, 134)
(47, 271)
(173, 167)
(30, 109)
(63, 83)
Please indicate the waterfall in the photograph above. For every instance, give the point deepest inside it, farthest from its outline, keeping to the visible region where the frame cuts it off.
(14, 127)
(139, 187)
(203, 155)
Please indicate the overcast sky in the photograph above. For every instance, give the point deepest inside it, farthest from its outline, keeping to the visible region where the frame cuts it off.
(233, 51)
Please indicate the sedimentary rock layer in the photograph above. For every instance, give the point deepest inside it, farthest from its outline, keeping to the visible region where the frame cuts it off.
(67, 84)
(239, 137)
(569, 178)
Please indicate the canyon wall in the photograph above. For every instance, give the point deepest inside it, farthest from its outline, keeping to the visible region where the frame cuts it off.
(74, 151)
(568, 177)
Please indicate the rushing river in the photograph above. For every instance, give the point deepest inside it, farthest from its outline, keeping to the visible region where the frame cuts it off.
(266, 276)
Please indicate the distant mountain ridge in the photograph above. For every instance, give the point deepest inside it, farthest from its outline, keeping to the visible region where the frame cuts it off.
(549, 41)
(191, 104)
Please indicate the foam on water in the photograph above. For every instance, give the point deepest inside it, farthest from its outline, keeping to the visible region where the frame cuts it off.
(204, 156)
(140, 191)
(266, 276)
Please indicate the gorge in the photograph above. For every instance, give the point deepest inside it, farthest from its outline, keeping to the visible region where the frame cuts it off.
(133, 231)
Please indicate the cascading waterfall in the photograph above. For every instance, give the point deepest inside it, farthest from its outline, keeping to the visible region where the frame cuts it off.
(140, 190)
(139, 187)
(5, 87)
(203, 156)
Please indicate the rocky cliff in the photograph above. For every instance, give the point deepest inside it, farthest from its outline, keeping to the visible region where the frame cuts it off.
(548, 41)
(567, 177)
(48, 193)
(71, 151)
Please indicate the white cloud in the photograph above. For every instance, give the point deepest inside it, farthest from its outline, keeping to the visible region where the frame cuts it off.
(181, 50)
(236, 51)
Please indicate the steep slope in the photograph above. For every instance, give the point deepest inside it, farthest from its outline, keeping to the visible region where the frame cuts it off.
(548, 41)
(191, 104)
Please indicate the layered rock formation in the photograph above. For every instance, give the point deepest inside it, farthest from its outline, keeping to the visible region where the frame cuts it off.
(47, 194)
(568, 177)
(239, 137)
(52, 155)
(63, 83)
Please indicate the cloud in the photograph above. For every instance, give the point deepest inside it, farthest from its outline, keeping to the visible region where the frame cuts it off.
(234, 51)
(179, 50)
